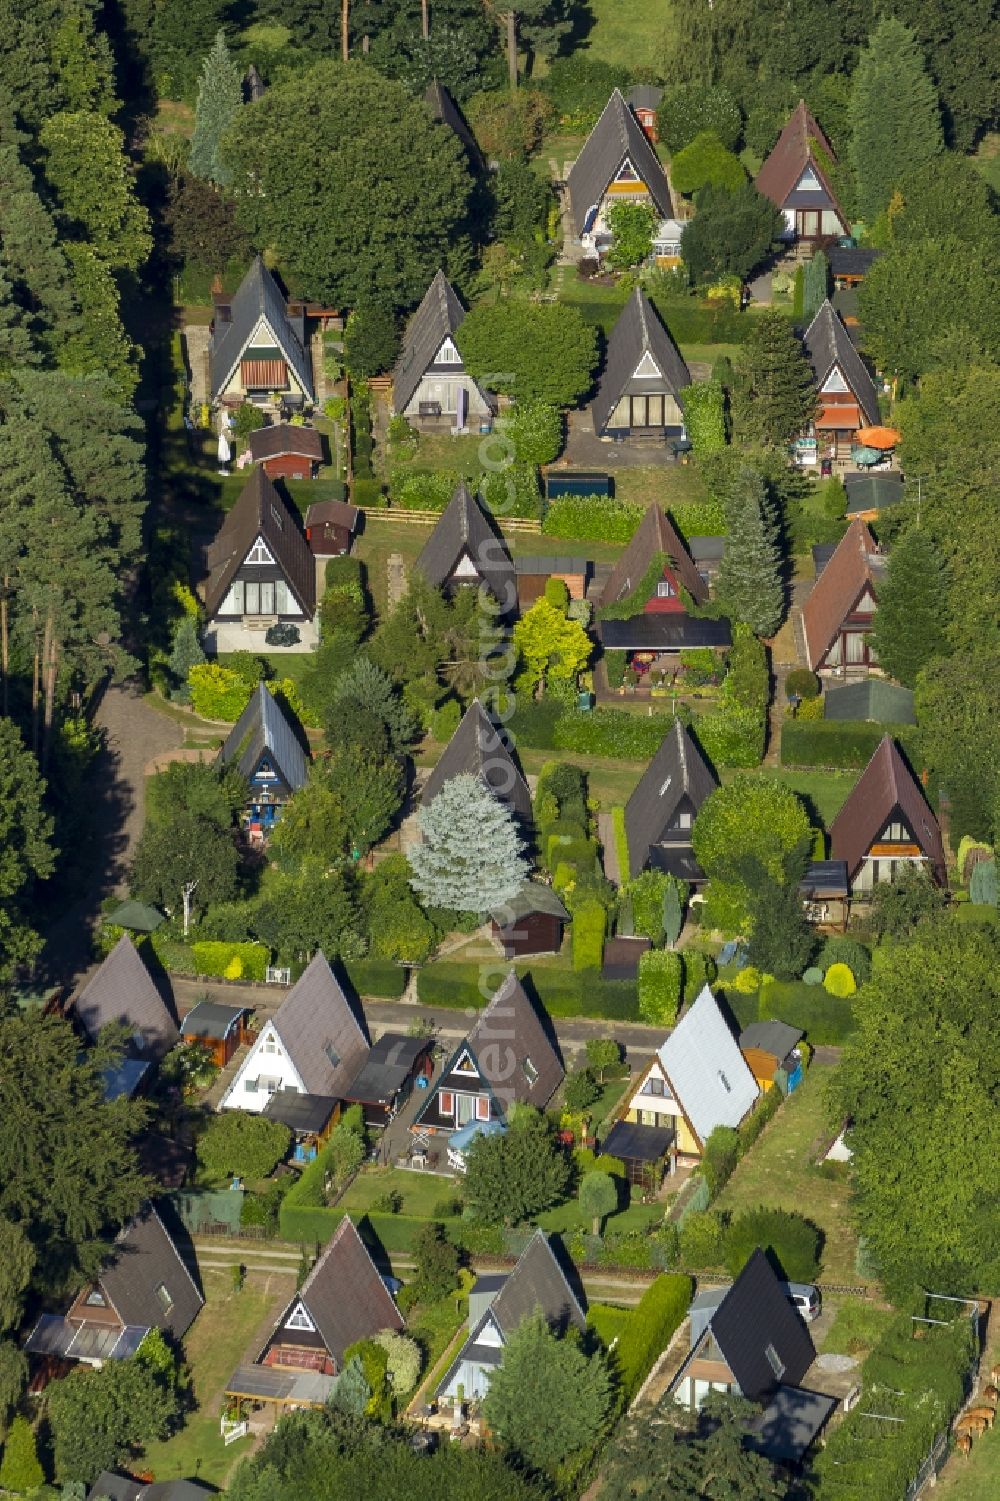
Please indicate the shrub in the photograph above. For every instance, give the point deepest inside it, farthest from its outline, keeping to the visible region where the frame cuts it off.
(589, 924)
(445, 720)
(747, 981)
(436, 1263)
(839, 981)
(843, 950)
(613, 733)
(239, 1143)
(810, 709)
(812, 976)
(557, 593)
(512, 491)
(660, 972)
(373, 1360)
(704, 405)
(20, 1470)
(615, 663)
(701, 1239)
(733, 736)
(700, 970)
(218, 692)
(791, 1238)
(650, 1328)
(592, 518)
(581, 1089)
(220, 960)
(706, 162)
(403, 1360)
(366, 491)
(839, 744)
(802, 683)
(719, 1158)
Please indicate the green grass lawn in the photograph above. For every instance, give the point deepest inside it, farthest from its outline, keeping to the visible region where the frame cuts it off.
(434, 1325)
(822, 791)
(214, 1346)
(630, 31)
(292, 664)
(857, 1327)
(421, 1192)
(609, 1322)
(569, 1216)
(668, 484)
(779, 1173)
(973, 1478)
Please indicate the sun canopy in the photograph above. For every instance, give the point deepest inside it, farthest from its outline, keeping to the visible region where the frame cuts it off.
(878, 437)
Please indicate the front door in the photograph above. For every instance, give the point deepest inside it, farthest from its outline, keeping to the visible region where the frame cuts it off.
(809, 221)
(646, 411)
(465, 1109)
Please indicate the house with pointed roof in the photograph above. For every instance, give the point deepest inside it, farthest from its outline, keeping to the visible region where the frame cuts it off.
(639, 395)
(447, 113)
(846, 396)
(839, 613)
(258, 346)
(641, 609)
(111, 1485)
(261, 573)
(616, 165)
(750, 1340)
(431, 387)
(314, 1043)
(697, 1080)
(144, 1285)
(498, 1306)
(344, 1299)
(509, 1058)
(479, 749)
(795, 176)
(123, 991)
(886, 825)
(268, 754)
(660, 814)
(464, 550)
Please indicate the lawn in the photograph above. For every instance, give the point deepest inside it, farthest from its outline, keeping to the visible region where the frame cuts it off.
(987, 160)
(421, 1192)
(292, 664)
(778, 1172)
(857, 1327)
(974, 1478)
(669, 484)
(434, 1325)
(568, 1217)
(823, 792)
(628, 31)
(609, 1322)
(216, 1343)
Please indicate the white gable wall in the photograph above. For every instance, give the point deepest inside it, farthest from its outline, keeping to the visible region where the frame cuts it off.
(266, 1069)
(263, 336)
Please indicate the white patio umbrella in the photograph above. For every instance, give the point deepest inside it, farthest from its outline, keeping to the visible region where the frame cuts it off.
(225, 451)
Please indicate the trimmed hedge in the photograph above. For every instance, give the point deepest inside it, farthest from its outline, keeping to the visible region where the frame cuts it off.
(621, 843)
(661, 978)
(659, 1314)
(560, 991)
(840, 744)
(589, 924)
(612, 732)
(592, 518)
(230, 961)
(792, 1238)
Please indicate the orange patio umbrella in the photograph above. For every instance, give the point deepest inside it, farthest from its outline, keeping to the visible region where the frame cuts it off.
(878, 437)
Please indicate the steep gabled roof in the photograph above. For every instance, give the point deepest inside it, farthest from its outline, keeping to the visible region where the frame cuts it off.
(122, 990)
(261, 512)
(446, 112)
(678, 769)
(708, 1074)
(512, 1049)
(654, 534)
(828, 344)
(344, 1294)
(263, 727)
(755, 1315)
(537, 1282)
(283, 438)
(437, 318)
(637, 331)
(465, 528)
(258, 296)
(145, 1259)
(886, 784)
(324, 1039)
(478, 749)
(616, 135)
(833, 596)
(791, 154)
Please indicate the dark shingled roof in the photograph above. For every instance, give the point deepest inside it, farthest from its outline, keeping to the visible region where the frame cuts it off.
(305, 1114)
(667, 632)
(111, 1486)
(316, 1018)
(871, 699)
(872, 492)
(122, 990)
(637, 1143)
(478, 749)
(261, 512)
(533, 897)
(332, 513)
(509, 1035)
(616, 135)
(286, 438)
(446, 112)
(828, 344)
(654, 534)
(386, 1069)
(644, 96)
(855, 564)
(776, 1038)
(144, 1259)
(263, 727)
(789, 1423)
(211, 1020)
(344, 1294)
(677, 770)
(465, 528)
(637, 331)
(258, 296)
(537, 1281)
(850, 260)
(791, 154)
(885, 785)
(437, 318)
(755, 1314)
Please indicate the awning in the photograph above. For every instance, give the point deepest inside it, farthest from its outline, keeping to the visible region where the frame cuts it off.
(461, 1140)
(666, 632)
(843, 416)
(264, 375)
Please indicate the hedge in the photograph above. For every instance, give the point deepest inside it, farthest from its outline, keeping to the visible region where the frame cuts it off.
(615, 664)
(659, 1314)
(560, 991)
(614, 733)
(621, 843)
(840, 744)
(792, 1238)
(592, 518)
(589, 924)
(230, 961)
(823, 1018)
(661, 978)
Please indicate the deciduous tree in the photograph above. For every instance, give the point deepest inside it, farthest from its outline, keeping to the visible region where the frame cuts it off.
(99, 1417)
(552, 648)
(632, 227)
(371, 339)
(541, 351)
(705, 162)
(241, 1143)
(750, 826)
(547, 1400)
(184, 863)
(598, 1197)
(86, 164)
(513, 1176)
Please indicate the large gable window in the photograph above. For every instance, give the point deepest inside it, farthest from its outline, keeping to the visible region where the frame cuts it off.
(259, 553)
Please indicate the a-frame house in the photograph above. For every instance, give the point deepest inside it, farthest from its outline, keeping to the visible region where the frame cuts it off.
(659, 622)
(846, 396)
(661, 812)
(479, 749)
(886, 825)
(838, 615)
(465, 551)
(123, 991)
(644, 375)
(795, 176)
(431, 387)
(257, 347)
(616, 164)
(267, 752)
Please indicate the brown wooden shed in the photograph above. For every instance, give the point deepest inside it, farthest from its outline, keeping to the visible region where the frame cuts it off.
(530, 923)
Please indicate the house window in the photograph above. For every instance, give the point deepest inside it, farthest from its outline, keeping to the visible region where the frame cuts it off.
(465, 1065)
(530, 1072)
(655, 1087)
(95, 1298)
(251, 1085)
(482, 1107)
(281, 597)
(333, 1056)
(269, 1085)
(725, 1082)
(665, 589)
(299, 1319)
(277, 517)
(259, 553)
(897, 833)
(627, 172)
(233, 602)
(164, 1298)
(271, 1044)
(446, 1102)
(448, 354)
(775, 1361)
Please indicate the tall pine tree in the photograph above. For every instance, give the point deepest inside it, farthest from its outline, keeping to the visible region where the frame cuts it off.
(894, 114)
(774, 395)
(220, 97)
(909, 621)
(749, 585)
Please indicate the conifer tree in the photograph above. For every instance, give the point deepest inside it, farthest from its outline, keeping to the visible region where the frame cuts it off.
(20, 1470)
(749, 585)
(774, 396)
(908, 628)
(220, 97)
(470, 856)
(815, 284)
(185, 653)
(894, 114)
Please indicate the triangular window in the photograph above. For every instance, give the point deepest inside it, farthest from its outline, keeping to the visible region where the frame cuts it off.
(299, 1319)
(465, 568)
(809, 182)
(626, 172)
(259, 553)
(647, 369)
(447, 354)
(465, 1065)
(835, 380)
